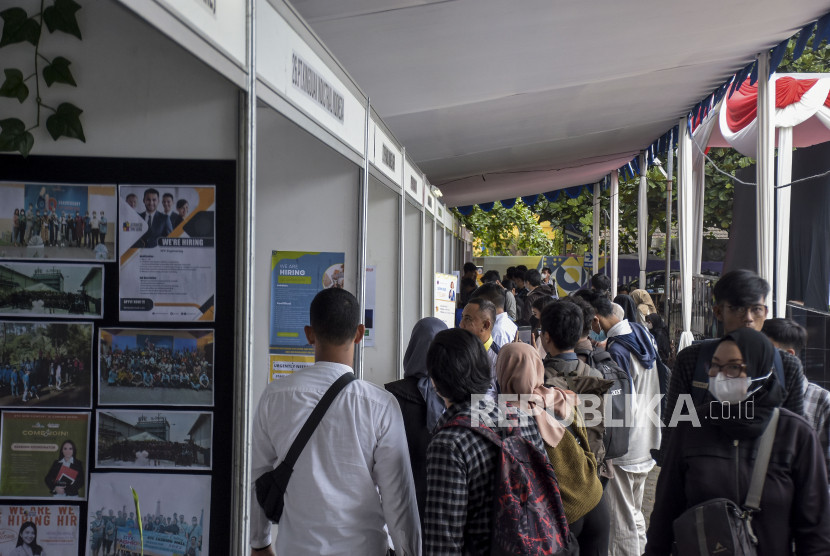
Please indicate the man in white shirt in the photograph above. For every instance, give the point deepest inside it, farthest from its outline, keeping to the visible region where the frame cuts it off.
(356, 458)
(504, 329)
(478, 317)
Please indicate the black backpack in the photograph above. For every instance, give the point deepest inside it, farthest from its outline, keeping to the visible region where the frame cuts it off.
(615, 438)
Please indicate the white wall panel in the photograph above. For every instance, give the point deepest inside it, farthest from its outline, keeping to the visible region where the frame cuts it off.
(412, 282)
(429, 268)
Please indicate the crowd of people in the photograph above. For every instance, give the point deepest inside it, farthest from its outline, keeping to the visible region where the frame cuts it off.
(153, 366)
(154, 453)
(104, 531)
(59, 228)
(29, 378)
(442, 461)
(51, 301)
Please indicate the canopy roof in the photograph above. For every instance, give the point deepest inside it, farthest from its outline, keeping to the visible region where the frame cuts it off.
(496, 99)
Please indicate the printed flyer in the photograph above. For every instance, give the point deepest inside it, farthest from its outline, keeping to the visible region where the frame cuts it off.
(51, 290)
(43, 455)
(167, 254)
(296, 277)
(53, 529)
(445, 288)
(175, 513)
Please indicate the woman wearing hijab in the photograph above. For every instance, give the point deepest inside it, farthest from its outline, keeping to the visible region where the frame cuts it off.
(629, 307)
(645, 306)
(520, 371)
(716, 458)
(420, 405)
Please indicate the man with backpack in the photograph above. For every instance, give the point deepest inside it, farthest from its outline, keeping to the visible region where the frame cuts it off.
(632, 348)
(481, 474)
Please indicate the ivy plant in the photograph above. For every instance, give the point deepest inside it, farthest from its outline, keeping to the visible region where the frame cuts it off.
(20, 27)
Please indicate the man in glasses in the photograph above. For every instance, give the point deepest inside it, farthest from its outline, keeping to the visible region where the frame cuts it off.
(739, 301)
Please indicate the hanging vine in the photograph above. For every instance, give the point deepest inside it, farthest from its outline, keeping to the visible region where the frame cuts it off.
(19, 27)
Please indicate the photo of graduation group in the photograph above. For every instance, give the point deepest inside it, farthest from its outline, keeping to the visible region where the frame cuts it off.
(58, 243)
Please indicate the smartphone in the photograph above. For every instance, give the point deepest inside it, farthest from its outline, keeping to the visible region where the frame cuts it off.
(524, 334)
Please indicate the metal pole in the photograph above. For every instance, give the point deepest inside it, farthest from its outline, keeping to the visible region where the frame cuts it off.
(244, 300)
(363, 209)
(401, 263)
(596, 231)
(615, 231)
(642, 221)
(669, 188)
(423, 247)
(765, 170)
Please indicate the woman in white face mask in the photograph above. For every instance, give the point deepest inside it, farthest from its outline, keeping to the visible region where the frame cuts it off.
(712, 454)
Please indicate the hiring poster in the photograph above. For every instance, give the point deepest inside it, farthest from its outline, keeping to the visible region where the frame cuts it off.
(175, 512)
(296, 277)
(53, 529)
(44, 455)
(52, 290)
(46, 364)
(167, 253)
(445, 290)
(57, 221)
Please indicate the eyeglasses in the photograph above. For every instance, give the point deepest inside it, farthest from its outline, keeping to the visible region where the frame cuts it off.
(758, 311)
(732, 370)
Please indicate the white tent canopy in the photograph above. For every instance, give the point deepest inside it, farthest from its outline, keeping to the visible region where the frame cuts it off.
(495, 101)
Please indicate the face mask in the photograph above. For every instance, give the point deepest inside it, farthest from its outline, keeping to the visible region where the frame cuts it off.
(729, 390)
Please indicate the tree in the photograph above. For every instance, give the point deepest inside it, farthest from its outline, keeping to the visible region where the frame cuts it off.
(502, 231)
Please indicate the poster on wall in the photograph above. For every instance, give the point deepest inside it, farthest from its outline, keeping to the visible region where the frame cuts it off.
(56, 529)
(296, 277)
(175, 512)
(445, 298)
(154, 439)
(167, 253)
(139, 366)
(51, 290)
(57, 221)
(369, 310)
(43, 455)
(46, 364)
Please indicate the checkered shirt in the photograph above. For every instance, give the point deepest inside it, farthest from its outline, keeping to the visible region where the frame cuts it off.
(817, 412)
(461, 474)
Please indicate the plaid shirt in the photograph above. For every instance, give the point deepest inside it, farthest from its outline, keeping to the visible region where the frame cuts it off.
(461, 474)
(817, 412)
(684, 371)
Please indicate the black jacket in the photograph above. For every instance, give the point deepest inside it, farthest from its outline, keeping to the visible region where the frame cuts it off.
(414, 411)
(704, 463)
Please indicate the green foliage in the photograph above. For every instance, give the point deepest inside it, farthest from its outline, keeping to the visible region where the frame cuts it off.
(514, 231)
(19, 27)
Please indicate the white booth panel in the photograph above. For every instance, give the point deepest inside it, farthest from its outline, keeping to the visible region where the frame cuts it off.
(142, 95)
(291, 68)
(380, 361)
(429, 200)
(386, 156)
(412, 282)
(413, 182)
(429, 268)
(440, 262)
(306, 200)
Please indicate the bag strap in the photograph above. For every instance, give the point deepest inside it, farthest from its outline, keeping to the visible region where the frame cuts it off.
(759, 470)
(315, 418)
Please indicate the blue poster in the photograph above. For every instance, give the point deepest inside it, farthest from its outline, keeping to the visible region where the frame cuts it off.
(296, 277)
(58, 198)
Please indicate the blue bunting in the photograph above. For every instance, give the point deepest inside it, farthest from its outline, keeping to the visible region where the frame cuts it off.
(801, 43)
(486, 207)
(551, 196)
(530, 200)
(466, 210)
(777, 55)
(822, 31)
(508, 203)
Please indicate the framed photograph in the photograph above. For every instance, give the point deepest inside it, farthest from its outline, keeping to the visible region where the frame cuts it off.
(46, 364)
(154, 439)
(139, 366)
(53, 290)
(57, 221)
(175, 513)
(167, 254)
(44, 455)
(53, 529)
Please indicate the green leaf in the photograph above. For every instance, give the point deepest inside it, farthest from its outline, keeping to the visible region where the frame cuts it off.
(13, 86)
(61, 17)
(18, 27)
(66, 122)
(58, 72)
(14, 137)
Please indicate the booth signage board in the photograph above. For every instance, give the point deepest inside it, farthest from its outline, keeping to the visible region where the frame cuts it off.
(445, 291)
(167, 264)
(369, 309)
(429, 200)
(413, 182)
(220, 22)
(292, 69)
(296, 277)
(387, 156)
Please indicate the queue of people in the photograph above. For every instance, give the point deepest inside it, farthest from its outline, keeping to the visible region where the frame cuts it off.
(441, 446)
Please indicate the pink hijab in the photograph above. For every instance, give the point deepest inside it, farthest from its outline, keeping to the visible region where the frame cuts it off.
(520, 370)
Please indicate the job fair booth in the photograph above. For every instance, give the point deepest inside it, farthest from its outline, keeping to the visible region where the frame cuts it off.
(175, 186)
